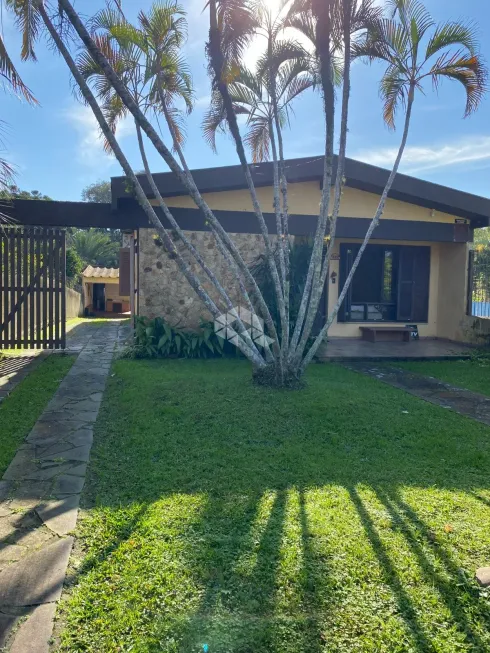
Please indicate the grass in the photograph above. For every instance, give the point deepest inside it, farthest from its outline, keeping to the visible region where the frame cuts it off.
(347, 517)
(21, 409)
(472, 374)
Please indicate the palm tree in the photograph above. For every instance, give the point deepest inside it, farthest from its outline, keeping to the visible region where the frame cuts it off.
(330, 26)
(228, 36)
(94, 247)
(450, 54)
(251, 97)
(147, 57)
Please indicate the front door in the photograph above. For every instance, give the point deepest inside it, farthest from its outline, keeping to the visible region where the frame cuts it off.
(99, 297)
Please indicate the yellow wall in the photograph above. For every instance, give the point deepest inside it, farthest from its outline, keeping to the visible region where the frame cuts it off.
(304, 198)
(452, 295)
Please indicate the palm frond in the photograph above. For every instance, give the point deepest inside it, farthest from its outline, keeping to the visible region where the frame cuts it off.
(303, 22)
(237, 24)
(452, 33)
(468, 70)
(413, 16)
(9, 73)
(257, 139)
(283, 51)
(114, 111)
(29, 21)
(392, 92)
(177, 123)
(215, 118)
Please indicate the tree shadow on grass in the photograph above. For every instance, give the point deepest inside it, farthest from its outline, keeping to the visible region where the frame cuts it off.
(420, 639)
(234, 554)
(468, 611)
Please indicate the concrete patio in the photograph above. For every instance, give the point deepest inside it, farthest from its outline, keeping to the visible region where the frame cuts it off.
(353, 349)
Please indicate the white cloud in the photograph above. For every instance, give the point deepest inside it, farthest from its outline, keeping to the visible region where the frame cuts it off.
(89, 146)
(428, 157)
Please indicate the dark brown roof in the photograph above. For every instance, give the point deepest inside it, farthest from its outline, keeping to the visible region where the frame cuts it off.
(358, 174)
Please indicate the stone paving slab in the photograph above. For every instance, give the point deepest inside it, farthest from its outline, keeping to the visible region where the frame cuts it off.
(38, 578)
(40, 494)
(459, 400)
(34, 634)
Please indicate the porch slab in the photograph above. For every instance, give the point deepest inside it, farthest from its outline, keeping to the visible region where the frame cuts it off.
(355, 349)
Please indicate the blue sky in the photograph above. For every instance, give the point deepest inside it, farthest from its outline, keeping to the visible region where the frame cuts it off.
(57, 151)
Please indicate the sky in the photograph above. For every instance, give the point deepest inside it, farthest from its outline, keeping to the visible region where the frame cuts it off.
(56, 147)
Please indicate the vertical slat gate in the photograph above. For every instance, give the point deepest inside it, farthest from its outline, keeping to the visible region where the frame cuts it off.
(32, 288)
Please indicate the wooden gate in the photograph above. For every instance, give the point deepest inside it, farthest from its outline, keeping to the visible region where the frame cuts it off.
(32, 288)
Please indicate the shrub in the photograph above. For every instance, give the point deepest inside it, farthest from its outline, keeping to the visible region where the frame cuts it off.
(74, 264)
(155, 338)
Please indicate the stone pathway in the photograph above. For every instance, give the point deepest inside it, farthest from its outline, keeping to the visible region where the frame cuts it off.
(40, 492)
(430, 389)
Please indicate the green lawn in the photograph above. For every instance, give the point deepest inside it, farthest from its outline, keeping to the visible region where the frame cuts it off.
(470, 374)
(20, 410)
(346, 517)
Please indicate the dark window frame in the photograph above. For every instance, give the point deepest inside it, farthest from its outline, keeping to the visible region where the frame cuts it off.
(346, 260)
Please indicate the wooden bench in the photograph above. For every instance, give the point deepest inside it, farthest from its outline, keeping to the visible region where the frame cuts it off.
(393, 333)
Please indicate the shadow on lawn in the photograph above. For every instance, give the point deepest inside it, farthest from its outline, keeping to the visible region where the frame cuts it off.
(259, 491)
(238, 611)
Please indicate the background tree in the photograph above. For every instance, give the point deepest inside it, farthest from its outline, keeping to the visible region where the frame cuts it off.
(74, 267)
(95, 248)
(99, 191)
(13, 192)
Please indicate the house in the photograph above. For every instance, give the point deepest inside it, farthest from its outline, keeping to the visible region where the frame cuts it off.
(101, 291)
(414, 271)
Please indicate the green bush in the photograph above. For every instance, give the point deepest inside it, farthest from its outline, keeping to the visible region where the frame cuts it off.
(157, 339)
(74, 264)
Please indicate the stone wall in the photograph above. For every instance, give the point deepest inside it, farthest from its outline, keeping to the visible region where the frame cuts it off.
(165, 292)
(475, 330)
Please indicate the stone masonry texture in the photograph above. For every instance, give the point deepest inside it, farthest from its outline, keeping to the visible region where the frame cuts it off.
(163, 289)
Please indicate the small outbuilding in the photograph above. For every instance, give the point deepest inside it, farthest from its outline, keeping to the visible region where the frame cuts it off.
(101, 293)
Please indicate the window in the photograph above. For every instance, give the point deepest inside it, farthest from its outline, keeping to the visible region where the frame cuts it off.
(390, 284)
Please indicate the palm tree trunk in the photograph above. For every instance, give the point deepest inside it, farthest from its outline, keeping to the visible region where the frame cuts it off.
(339, 180)
(143, 200)
(281, 248)
(277, 202)
(162, 149)
(195, 253)
(218, 64)
(312, 292)
(374, 223)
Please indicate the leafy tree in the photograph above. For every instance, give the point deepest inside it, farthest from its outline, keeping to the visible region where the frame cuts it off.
(482, 236)
(414, 50)
(15, 193)
(74, 264)
(99, 191)
(95, 248)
